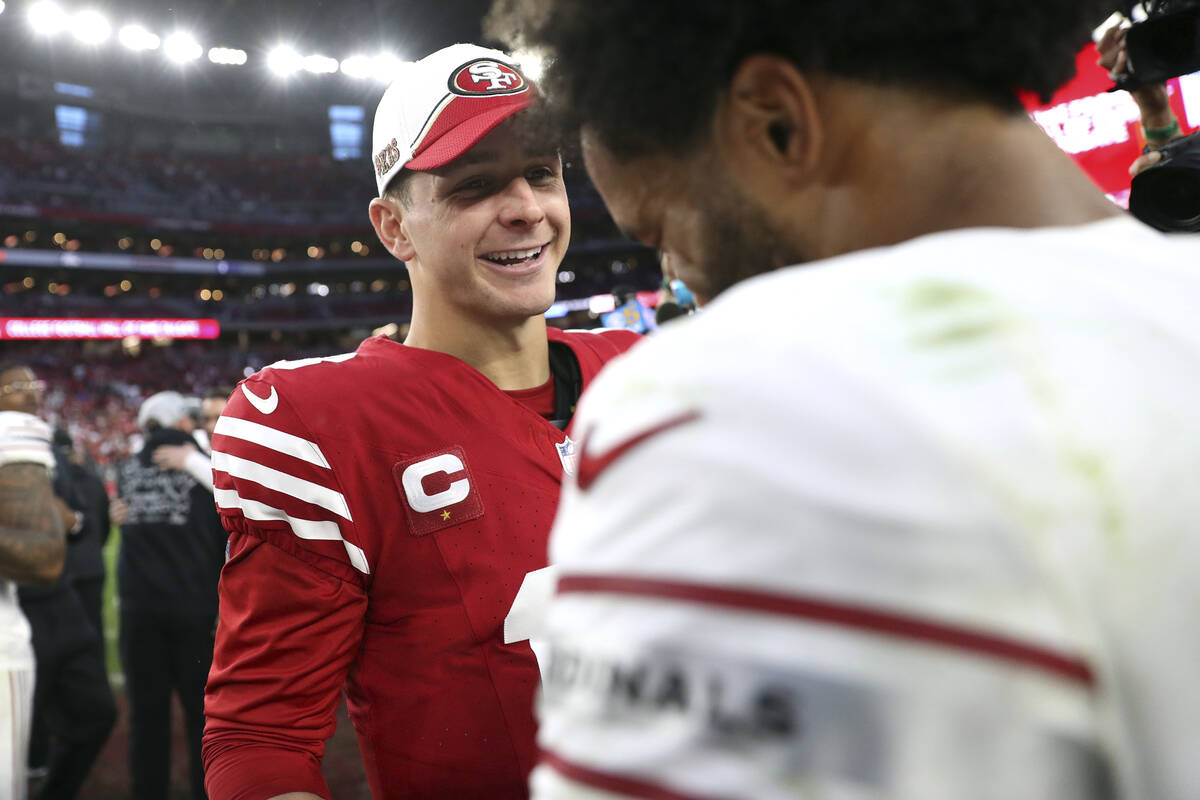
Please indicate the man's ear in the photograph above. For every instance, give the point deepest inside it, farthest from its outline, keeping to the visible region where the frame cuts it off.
(768, 123)
(387, 217)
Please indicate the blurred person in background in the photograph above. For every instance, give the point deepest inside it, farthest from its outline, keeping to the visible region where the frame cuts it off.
(85, 549)
(909, 510)
(386, 505)
(211, 408)
(194, 457)
(72, 706)
(33, 525)
(172, 548)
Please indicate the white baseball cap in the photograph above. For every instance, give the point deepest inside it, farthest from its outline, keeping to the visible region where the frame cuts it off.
(165, 408)
(438, 108)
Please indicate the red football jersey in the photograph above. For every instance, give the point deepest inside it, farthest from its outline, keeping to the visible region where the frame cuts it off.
(384, 507)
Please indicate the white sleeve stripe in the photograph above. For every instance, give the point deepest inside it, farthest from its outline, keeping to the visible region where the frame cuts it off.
(312, 529)
(19, 421)
(277, 440)
(27, 453)
(281, 482)
(25, 435)
(308, 362)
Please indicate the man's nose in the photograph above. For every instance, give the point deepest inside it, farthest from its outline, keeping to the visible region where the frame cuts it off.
(520, 205)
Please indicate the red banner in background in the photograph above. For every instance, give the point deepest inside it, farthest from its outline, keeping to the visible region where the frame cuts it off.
(1100, 129)
(70, 328)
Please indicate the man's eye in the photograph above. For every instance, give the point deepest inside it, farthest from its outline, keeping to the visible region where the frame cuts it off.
(472, 185)
(540, 174)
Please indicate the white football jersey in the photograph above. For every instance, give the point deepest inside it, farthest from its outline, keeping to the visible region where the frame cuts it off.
(915, 523)
(23, 439)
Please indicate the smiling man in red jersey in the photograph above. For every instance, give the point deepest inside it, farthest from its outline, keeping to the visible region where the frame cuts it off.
(384, 506)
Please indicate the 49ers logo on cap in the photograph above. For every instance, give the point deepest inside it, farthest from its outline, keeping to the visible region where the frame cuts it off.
(438, 491)
(484, 77)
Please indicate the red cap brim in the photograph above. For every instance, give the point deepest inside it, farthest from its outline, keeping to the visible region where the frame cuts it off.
(460, 126)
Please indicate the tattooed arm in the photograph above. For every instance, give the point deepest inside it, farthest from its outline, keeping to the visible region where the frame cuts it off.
(32, 536)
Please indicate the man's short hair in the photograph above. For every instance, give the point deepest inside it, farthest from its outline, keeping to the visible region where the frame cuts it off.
(221, 393)
(645, 77)
(399, 188)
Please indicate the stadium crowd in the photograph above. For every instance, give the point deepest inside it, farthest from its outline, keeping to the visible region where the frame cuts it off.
(95, 393)
(294, 191)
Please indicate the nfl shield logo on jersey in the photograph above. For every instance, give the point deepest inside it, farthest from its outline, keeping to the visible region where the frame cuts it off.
(568, 454)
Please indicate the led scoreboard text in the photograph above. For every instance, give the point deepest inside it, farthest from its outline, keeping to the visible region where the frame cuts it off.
(69, 328)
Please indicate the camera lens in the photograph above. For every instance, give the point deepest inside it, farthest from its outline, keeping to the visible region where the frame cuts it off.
(1179, 197)
(1167, 195)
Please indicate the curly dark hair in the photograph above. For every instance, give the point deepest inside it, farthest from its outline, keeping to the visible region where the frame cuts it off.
(645, 76)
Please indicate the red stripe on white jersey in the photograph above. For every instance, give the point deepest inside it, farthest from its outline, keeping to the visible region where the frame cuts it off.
(820, 610)
(612, 782)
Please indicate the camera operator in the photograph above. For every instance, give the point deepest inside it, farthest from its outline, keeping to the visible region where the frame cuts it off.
(1164, 43)
(1159, 124)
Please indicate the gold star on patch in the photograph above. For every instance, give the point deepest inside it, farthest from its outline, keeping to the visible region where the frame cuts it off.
(445, 516)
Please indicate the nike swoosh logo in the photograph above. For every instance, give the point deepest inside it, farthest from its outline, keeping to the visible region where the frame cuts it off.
(591, 465)
(265, 405)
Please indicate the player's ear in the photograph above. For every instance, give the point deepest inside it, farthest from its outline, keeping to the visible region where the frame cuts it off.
(387, 217)
(767, 125)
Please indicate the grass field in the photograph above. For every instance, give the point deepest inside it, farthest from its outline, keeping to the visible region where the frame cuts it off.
(110, 608)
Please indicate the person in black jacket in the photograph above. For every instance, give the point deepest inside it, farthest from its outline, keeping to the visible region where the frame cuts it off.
(85, 552)
(172, 550)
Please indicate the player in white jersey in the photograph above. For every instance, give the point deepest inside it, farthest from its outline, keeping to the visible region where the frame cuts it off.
(917, 519)
(32, 549)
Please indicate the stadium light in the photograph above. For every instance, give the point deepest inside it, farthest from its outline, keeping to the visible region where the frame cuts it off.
(135, 37)
(47, 18)
(90, 27)
(181, 48)
(320, 65)
(284, 61)
(227, 55)
(357, 66)
(532, 64)
(384, 66)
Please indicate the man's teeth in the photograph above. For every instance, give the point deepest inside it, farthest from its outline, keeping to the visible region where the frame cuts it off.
(513, 256)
